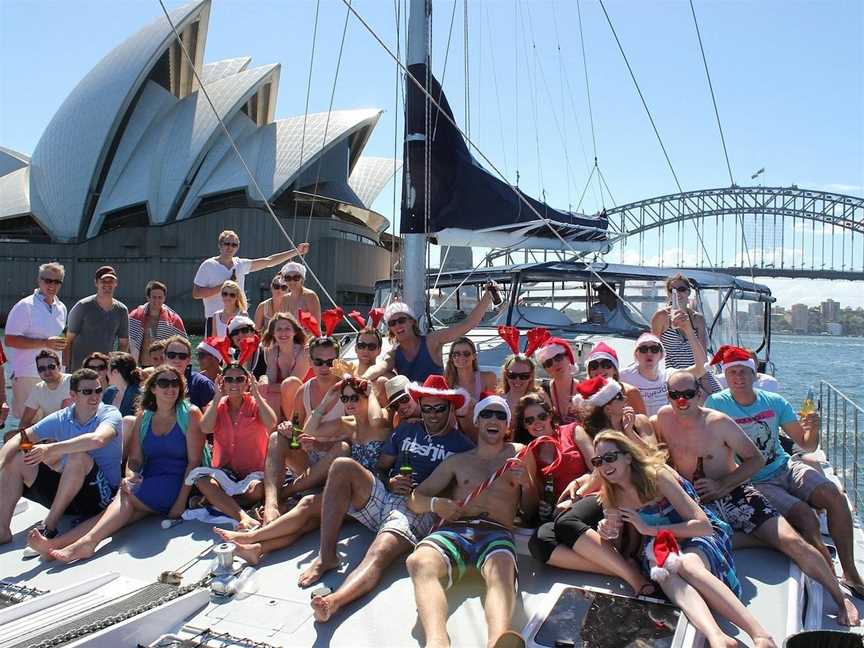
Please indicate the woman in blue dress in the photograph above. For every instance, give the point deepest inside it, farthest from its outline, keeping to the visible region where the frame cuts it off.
(165, 445)
(638, 488)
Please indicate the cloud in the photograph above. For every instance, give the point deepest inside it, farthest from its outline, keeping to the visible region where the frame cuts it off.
(838, 188)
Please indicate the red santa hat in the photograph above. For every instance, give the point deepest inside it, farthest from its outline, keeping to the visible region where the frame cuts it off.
(663, 555)
(729, 356)
(552, 347)
(596, 391)
(436, 386)
(602, 351)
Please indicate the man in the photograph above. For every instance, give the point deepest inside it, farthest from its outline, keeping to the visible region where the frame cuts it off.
(209, 360)
(199, 388)
(788, 483)
(608, 311)
(95, 322)
(353, 490)
(34, 323)
(400, 406)
(51, 394)
(152, 321)
(215, 271)
(76, 467)
(709, 449)
(765, 382)
(481, 532)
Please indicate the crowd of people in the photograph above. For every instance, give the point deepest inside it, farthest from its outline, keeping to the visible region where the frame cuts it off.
(651, 472)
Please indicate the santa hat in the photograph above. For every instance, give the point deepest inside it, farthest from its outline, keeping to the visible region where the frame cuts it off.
(239, 321)
(729, 356)
(489, 401)
(212, 345)
(663, 555)
(397, 307)
(602, 351)
(597, 391)
(435, 386)
(551, 347)
(292, 267)
(648, 337)
(331, 318)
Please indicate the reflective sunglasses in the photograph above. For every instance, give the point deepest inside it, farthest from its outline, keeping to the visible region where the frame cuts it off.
(293, 278)
(320, 362)
(53, 282)
(461, 354)
(243, 330)
(225, 293)
(88, 392)
(519, 375)
(650, 348)
(353, 398)
(609, 457)
(46, 367)
(558, 358)
(366, 345)
(490, 414)
(165, 383)
(279, 286)
(397, 321)
(689, 394)
(99, 367)
(435, 409)
(233, 380)
(600, 364)
(229, 243)
(177, 355)
(542, 416)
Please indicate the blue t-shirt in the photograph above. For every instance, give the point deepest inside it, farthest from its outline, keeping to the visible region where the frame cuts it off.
(62, 425)
(411, 444)
(200, 389)
(761, 420)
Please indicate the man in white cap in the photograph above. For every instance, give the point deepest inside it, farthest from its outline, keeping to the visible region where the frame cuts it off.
(410, 455)
(213, 272)
(478, 534)
(400, 406)
(792, 486)
(299, 297)
(419, 356)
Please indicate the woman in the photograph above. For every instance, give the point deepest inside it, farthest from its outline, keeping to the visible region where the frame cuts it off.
(367, 346)
(245, 343)
(463, 371)
(240, 421)
(679, 352)
(166, 445)
(233, 304)
(360, 434)
(98, 362)
(518, 380)
(556, 357)
(277, 303)
(567, 538)
(603, 361)
(299, 297)
(285, 356)
(124, 380)
(639, 489)
(604, 407)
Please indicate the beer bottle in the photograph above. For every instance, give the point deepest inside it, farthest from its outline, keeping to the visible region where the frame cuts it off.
(809, 404)
(405, 465)
(295, 432)
(24, 443)
(549, 498)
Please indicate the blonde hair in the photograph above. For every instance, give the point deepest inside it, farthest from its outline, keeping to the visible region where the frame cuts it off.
(225, 234)
(504, 385)
(241, 297)
(645, 464)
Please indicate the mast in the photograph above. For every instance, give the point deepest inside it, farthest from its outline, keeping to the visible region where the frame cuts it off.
(414, 181)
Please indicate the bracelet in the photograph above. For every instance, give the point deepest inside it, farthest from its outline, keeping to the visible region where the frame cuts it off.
(432, 504)
(316, 412)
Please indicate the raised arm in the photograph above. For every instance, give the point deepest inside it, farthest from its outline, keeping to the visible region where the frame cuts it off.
(266, 414)
(383, 364)
(805, 433)
(682, 321)
(279, 257)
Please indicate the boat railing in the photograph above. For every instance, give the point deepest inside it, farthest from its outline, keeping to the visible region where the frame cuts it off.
(842, 425)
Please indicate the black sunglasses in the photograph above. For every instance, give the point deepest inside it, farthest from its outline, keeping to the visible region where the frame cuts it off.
(279, 286)
(650, 348)
(165, 383)
(293, 278)
(320, 362)
(229, 243)
(177, 355)
(243, 330)
(435, 409)
(46, 367)
(53, 282)
(689, 394)
(609, 457)
(397, 321)
(490, 414)
(366, 345)
(232, 380)
(461, 354)
(557, 358)
(681, 288)
(519, 375)
(99, 367)
(88, 392)
(353, 398)
(600, 364)
(542, 416)
(404, 398)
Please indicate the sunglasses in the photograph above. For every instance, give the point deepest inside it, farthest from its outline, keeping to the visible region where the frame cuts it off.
(435, 409)
(243, 330)
(689, 394)
(293, 278)
(229, 243)
(320, 362)
(89, 392)
(542, 416)
(166, 383)
(600, 364)
(366, 345)
(558, 358)
(225, 293)
(46, 367)
(519, 375)
(404, 398)
(619, 397)
(650, 348)
(461, 354)
(99, 367)
(609, 457)
(353, 398)
(53, 282)
(681, 289)
(177, 355)
(278, 286)
(233, 380)
(397, 321)
(488, 414)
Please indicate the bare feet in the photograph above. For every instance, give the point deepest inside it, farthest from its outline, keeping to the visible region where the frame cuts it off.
(247, 522)
(848, 614)
(231, 536)
(269, 513)
(323, 607)
(40, 544)
(79, 550)
(313, 573)
(251, 553)
(721, 641)
(764, 642)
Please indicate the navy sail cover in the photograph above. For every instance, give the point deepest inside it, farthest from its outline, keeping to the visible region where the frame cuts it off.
(465, 196)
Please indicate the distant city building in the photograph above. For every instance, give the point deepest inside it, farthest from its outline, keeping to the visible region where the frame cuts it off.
(800, 318)
(834, 328)
(830, 310)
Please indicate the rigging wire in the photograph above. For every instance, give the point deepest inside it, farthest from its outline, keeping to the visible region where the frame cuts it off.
(444, 69)
(396, 11)
(497, 95)
(587, 85)
(240, 157)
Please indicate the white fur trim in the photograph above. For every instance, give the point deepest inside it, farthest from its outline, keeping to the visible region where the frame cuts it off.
(293, 266)
(659, 574)
(673, 563)
(398, 307)
(601, 355)
(747, 363)
(604, 394)
(203, 346)
(239, 321)
(548, 351)
(491, 400)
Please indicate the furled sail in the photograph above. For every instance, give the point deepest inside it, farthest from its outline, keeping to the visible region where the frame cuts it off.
(467, 204)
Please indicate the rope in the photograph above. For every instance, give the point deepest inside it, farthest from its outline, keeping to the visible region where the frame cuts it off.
(587, 85)
(252, 179)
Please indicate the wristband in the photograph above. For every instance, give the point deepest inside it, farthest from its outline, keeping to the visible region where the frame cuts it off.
(432, 504)
(316, 412)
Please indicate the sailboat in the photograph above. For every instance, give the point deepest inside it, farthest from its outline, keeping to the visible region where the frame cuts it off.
(173, 586)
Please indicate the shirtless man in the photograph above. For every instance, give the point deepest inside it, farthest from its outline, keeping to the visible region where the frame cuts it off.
(479, 532)
(703, 446)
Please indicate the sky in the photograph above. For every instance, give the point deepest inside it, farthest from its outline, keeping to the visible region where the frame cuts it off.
(787, 76)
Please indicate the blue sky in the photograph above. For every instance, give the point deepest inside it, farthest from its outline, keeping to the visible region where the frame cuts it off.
(788, 78)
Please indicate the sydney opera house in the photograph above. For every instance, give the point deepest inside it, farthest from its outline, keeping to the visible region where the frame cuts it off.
(135, 169)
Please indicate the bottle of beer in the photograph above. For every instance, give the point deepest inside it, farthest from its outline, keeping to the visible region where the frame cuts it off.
(296, 430)
(405, 467)
(24, 443)
(809, 404)
(699, 473)
(549, 498)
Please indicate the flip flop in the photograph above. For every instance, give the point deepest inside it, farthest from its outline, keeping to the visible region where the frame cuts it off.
(849, 587)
